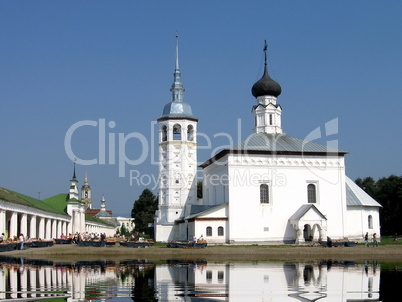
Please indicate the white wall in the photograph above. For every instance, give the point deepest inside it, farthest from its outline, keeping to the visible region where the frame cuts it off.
(287, 178)
(358, 222)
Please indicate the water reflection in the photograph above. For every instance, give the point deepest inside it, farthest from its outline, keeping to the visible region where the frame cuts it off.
(182, 280)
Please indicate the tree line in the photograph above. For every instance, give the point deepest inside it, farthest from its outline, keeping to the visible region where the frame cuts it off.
(387, 191)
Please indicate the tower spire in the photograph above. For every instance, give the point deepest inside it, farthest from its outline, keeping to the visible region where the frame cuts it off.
(177, 51)
(177, 86)
(265, 53)
(74, 177)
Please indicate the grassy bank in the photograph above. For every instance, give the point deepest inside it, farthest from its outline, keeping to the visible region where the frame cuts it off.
(71, 253)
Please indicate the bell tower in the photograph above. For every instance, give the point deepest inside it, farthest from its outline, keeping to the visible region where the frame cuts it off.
(177, 160)
(86, 193)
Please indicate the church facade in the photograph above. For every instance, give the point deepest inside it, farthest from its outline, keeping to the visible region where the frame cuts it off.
(269, 188)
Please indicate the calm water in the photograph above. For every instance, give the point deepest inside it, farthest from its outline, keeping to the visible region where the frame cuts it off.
(197, 280)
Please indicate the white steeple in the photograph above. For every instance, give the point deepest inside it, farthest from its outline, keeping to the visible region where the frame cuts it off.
(86, 192)
(177, 160)
(73, 194)
(103, 204)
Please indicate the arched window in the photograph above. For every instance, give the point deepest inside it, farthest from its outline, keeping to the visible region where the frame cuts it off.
(221, 274)
(311, 194)
(164, 134)
(190, 133)
(209, 231)
(209, 276)
(370, 222)
(264, 193)
(177, 132)
(220, 231)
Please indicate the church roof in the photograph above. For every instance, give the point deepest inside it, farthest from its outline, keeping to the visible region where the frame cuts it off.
(303, 210)
(266, 86)
(197, 210)
(355, 196)
(275, 143)
(281, 143)
(103, 214)
(177, 109)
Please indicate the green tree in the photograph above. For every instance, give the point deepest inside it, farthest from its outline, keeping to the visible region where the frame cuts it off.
(388, 192)
(143, 211)
(124, 231)
(389, 195)
(368, 184)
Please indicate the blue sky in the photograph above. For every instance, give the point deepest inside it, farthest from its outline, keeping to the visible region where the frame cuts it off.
(65, 62)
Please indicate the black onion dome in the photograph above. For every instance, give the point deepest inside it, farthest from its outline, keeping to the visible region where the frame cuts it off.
(266, 86)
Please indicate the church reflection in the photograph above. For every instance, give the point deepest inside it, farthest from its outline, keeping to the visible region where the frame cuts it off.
(184, 280)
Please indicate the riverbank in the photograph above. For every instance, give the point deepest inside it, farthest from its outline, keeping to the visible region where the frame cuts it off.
(71, 253)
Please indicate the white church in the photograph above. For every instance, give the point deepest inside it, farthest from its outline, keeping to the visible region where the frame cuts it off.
(270, 188)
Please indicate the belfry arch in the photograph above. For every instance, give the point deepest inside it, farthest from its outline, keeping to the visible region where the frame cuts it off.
(177, 132)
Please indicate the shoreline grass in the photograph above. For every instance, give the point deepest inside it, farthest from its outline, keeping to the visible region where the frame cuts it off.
(73, 253)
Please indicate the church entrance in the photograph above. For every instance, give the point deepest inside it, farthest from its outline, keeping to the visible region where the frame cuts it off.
(311, 234)
(307, 233)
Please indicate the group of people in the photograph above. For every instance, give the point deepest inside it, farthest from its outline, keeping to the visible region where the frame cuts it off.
(199, 240)
(20, 239)
(374, 239)
(84, 237)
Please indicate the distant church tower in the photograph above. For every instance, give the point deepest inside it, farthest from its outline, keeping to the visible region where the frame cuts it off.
(267, 113)
(177, 161)
(73, 194)
(86, 193)
(75, 208)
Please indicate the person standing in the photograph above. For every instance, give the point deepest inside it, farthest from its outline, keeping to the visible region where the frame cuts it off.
(375, 243)
(329, 241)
(21, 238)
(366, 239)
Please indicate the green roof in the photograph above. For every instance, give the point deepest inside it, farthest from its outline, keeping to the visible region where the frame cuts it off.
(56, 204)
(25, 200)
(95, 219)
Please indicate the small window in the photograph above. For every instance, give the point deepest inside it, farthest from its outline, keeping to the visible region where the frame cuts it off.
(220, 231)
(190, 133)
(209, 231)
(311, 194)
(177, 132)
(264, 193)
(221, 274)
(270, 119)
(164, 134)
(370, 222)
(209, 276)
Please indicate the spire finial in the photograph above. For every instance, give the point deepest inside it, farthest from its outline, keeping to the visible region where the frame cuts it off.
(177, 87)
(265, 52)
(177, 50)
(74, 177)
